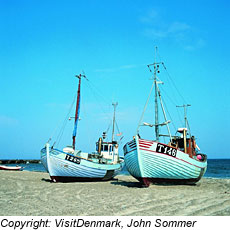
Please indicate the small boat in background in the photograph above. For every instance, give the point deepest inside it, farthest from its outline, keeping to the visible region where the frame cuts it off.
(11, 168)
(71, 165)
(176, 161)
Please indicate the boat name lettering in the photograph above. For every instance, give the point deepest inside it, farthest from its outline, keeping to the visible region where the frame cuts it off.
(73, 159)
(166, 150)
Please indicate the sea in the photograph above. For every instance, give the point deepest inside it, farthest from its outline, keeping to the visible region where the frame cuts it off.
(217, 168)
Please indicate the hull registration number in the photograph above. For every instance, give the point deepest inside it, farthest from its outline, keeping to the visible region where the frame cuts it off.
(166, 150)
(73, 159)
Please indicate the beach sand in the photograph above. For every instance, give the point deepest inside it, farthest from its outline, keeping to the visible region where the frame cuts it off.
(32, 193)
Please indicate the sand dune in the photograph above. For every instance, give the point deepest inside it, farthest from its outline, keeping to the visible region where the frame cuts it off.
(32, 193)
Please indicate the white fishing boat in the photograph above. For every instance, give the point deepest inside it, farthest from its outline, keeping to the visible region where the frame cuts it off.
(176, 161)
(70, 164)
(10, 168)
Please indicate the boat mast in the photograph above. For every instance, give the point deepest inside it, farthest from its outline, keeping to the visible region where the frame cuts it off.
(185, 114)
(186, 124)
(77, 111)
(114, 105)
(156, 66)
(155, 83)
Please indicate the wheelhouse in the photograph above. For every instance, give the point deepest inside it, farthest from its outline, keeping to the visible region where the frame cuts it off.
(108, 150)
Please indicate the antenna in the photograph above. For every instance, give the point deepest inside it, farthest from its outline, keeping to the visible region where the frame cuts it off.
(81, 75)
(84, 75)
(114, 105)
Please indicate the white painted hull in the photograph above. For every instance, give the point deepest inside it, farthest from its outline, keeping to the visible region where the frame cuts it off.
(44, 158)
(10, 168)
(78, 169)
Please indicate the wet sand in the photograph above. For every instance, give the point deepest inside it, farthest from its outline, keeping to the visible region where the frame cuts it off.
(32, 193)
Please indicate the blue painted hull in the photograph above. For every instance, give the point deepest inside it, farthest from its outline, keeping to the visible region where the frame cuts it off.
(148, 165)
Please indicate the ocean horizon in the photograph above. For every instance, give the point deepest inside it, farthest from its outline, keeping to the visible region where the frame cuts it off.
(217, 168)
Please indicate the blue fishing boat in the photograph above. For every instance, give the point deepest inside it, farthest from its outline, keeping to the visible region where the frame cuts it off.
(176, 161)
(72, 165)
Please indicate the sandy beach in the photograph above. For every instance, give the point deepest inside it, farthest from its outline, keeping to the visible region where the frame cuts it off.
(32, 193)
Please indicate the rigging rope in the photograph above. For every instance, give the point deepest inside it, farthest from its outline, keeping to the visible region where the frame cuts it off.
(171, 79)
(179, 115)
(97, 93)
(109, 126)
(174, 83)
(183, 99)
(59, 136)
(168, 113)
(145, 107)
(170, 99)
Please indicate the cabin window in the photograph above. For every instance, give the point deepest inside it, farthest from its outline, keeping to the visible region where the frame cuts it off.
(180, 143)
(105, 148)
(110, 149)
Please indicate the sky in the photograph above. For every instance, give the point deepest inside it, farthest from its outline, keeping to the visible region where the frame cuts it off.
(44, 44)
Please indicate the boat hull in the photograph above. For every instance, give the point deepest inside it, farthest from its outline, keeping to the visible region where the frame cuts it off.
(10, 168)
(64, 167)
(44, 158)
(153, 162)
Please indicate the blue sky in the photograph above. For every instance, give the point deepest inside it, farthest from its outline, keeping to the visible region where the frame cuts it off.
(43, 44)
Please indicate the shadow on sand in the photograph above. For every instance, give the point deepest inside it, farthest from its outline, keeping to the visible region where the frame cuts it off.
(130, 184)
(47, 180)
(136, 184)
(80, 181)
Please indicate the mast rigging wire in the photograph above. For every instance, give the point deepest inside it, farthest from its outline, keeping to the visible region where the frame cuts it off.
(95, 92)
(59, 136)
(173, 83)
(145, 107)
